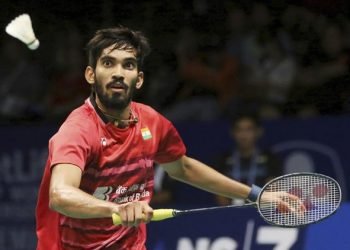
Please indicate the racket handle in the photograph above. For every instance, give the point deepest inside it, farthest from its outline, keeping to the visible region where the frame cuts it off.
(158, 214)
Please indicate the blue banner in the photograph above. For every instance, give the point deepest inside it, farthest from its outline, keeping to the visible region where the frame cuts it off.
(243, 229)
(22, 158)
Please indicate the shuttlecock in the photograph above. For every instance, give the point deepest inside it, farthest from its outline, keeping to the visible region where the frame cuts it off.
(22, 29)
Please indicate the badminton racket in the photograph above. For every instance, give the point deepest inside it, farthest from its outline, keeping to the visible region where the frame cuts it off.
(290, 200)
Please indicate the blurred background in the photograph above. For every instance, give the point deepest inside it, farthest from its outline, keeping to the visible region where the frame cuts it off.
(248, 84)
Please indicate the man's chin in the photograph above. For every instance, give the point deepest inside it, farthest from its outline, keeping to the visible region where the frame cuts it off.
(116, 100)
(118, 103)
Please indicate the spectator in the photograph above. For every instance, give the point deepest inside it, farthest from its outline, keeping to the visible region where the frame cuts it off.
(325, 79)
(68, 65)
(267, 65)
(22, 83)
(248, 163)
(196, 98)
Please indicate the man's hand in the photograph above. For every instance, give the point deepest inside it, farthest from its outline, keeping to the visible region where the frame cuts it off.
(134, 213)
(283, 201)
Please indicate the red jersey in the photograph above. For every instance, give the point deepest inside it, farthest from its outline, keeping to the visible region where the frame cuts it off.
(116, 164)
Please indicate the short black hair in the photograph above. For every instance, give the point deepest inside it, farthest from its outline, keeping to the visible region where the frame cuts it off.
(246, 116)
(123, 38)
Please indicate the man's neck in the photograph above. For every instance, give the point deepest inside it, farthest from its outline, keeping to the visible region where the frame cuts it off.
(114, 114)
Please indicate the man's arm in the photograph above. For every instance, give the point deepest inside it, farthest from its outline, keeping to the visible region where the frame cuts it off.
(66, 198)
(198, 174)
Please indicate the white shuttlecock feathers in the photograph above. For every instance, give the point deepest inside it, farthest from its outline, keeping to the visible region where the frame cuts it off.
(22, 29)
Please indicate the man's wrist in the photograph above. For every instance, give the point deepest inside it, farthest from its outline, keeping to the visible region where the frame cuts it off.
(254, 193)
(114, 209)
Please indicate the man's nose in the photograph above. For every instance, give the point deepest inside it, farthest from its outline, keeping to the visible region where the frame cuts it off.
(118, 72)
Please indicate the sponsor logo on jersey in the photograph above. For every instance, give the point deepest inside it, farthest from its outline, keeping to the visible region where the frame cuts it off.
(146, 133)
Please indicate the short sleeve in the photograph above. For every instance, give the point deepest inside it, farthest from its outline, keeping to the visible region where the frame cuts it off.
(171, 146)
(70, 145)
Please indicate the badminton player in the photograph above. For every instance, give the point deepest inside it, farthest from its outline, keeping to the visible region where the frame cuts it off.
(100, 160)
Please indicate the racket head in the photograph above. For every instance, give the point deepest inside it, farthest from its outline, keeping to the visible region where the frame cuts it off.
(320, 195)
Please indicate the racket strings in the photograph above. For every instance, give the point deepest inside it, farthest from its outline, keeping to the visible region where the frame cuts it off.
(318, 198)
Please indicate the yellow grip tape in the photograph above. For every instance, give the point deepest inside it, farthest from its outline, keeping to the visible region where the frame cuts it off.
(158, 214)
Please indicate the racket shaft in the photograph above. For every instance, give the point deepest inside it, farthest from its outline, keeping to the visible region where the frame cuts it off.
(158, 214)
(163, 214)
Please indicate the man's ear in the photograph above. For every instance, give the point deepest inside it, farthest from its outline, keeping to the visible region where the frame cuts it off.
(140, 79)
(90, 75)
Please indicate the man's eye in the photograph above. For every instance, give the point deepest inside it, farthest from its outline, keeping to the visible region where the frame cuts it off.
(107, 63)
(129, 65)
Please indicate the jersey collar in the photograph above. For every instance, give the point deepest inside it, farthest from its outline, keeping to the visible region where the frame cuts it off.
(133, 118)
(98, 111)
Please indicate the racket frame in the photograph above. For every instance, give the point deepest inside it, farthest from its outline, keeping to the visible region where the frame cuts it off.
(291, 175)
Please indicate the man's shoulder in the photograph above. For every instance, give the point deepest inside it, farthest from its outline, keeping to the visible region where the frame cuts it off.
(82, 118)
(147, 112)
(268, 154)
(143, 108)
(271, 160)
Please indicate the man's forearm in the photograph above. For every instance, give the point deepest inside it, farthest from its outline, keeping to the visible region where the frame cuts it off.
(204, 177)
(75, 203)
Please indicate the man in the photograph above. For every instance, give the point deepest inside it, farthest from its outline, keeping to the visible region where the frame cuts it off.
(100, 161)
(248, 163)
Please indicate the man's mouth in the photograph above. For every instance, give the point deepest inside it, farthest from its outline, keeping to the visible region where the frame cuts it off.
(117, 87)
(117, 90)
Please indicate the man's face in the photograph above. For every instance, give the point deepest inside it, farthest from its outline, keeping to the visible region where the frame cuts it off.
(116, 77)
(246, 133)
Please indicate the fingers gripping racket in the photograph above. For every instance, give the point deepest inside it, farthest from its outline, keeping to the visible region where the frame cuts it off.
(289, 201)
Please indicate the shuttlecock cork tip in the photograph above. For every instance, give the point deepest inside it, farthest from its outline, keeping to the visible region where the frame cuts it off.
(33, 45)
(21, 28)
